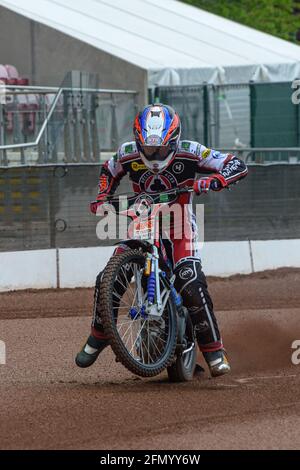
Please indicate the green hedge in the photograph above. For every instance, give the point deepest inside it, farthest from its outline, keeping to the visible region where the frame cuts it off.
(276, 17)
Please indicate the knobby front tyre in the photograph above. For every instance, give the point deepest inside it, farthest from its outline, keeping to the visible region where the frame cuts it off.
(144, 345)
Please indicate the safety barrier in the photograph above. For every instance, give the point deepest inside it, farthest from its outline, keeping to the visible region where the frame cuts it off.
(78, 267)
(48, 207)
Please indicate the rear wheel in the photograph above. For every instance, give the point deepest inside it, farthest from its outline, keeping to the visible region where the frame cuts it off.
(183, 369)
(144, 344)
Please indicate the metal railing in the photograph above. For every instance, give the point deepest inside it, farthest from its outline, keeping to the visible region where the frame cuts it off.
(75, 125)
(250, 116)
(71, 125)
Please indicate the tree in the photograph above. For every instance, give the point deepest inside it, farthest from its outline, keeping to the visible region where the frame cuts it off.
(277, 17)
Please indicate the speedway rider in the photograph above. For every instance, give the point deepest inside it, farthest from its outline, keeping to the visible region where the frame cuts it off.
(158, 161)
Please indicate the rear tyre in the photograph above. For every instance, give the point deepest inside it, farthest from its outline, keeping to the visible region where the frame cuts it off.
(183, 369)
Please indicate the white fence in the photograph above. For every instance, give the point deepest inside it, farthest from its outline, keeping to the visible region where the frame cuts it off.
(78, 267)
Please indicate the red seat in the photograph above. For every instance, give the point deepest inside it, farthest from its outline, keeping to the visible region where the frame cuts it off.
(23, 109)
(23, 105)
(12, 81)
(3, 74)
(14, 77)
(4, 77)
(10, 109)
(23, 81)
(33, 105)
(12, 72)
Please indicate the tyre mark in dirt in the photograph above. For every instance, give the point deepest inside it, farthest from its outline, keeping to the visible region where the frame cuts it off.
(246, 380)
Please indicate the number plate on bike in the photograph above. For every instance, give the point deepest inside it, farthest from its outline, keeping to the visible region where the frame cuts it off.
(144, 230)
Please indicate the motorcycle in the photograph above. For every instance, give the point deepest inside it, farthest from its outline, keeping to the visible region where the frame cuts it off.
(143, 316)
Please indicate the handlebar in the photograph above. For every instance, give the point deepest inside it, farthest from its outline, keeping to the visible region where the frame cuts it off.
(175, 192)
(166, 197)
(184, 190)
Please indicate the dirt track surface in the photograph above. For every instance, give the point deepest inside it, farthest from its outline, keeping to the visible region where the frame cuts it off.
(47, 402)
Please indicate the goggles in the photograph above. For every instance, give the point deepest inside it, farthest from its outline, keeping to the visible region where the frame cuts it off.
(155, 152)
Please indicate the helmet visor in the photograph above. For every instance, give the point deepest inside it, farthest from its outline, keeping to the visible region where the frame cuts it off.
(156, 153)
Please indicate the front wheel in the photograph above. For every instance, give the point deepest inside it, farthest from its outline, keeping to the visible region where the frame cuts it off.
(144, 344)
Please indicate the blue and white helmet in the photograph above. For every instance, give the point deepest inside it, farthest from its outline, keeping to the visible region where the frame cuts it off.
(157, 132)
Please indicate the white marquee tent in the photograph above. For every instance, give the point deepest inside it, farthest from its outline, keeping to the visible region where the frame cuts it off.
(176, 43)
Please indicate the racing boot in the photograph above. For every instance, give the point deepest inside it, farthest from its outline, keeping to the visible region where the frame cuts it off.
(90, 351)
(217, 362)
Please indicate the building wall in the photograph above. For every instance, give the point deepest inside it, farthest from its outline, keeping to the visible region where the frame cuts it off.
(15, 41)
(46, 56)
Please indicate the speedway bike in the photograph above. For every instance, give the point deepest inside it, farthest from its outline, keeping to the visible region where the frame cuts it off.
(143, 316)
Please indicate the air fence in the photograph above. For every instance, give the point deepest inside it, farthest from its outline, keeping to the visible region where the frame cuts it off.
(48, 207)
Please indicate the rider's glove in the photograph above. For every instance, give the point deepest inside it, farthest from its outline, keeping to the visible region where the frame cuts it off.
(214, 182)
(95, 204)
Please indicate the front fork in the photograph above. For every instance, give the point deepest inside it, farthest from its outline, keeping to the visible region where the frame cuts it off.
(156, 277)
(153, 285)
(157, 300)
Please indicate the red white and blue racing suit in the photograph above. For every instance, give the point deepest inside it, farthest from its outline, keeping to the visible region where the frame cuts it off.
(192, 161)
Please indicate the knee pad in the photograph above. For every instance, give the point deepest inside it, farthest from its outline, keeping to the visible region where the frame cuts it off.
(189, 275)
(192, 285)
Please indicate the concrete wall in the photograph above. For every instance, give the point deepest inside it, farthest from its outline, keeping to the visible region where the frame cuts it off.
(78, 267)
(46, 56)
(28, 269)
(274, 253)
